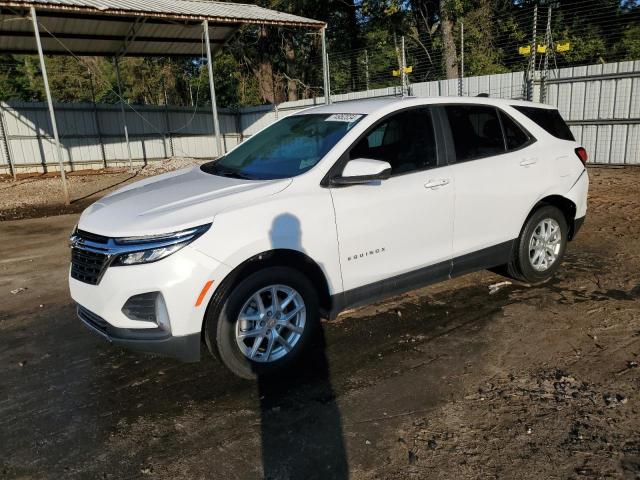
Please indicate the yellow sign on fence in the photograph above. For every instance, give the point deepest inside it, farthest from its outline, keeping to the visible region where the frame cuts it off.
(542, 48)
(525, 50)
(396, 73)
(563, 47)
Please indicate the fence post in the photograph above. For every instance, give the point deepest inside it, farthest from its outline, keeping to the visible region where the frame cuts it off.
(366, 67)
(124, 115)
(238, 116)
(5, 139)
(97, 120)
(167, 120)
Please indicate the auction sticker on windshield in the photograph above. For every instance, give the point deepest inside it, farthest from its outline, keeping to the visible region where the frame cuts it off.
(343, 117)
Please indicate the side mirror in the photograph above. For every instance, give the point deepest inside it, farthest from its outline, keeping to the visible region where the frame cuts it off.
(362, 170)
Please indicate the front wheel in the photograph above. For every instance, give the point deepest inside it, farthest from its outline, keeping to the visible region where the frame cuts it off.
(540, 247)
(265, 323)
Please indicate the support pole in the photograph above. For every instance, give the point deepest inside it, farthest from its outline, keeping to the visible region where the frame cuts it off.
(532, 64)
(52, 113)
(403, 67)
(214, 107)
(325, 67)
(124, 116)
(547, 43)
(461, 90)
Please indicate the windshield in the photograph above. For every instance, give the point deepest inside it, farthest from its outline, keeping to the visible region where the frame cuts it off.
(285, 149)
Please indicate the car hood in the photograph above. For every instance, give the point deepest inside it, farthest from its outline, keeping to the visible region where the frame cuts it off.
(171, 202)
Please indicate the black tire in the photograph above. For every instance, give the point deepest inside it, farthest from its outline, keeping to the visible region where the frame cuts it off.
(520, 267)
(220, 322)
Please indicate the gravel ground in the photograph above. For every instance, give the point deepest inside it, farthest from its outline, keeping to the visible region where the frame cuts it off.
(41, 195)
(460, 380)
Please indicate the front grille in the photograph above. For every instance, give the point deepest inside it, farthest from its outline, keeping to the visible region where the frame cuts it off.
(94, 237)
(91, 318)
(88, 266)
(89, 256)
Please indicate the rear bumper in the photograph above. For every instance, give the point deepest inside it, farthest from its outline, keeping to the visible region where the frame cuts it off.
(149, 340)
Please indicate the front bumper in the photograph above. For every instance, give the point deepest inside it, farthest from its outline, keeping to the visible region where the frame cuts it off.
(185, 347)
(577, 225)
(179, 279)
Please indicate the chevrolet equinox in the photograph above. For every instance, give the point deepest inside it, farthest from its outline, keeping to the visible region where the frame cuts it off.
(326, 209)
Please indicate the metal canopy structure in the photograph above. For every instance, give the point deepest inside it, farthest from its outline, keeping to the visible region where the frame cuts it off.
(133, 28)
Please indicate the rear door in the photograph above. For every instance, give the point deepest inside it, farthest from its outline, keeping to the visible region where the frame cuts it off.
(398, 230)
(498, 178)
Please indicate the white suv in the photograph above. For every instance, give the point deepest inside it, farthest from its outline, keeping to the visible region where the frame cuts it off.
(330, 208)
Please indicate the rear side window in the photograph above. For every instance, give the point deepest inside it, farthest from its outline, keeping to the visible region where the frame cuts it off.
(476, 131)
(549, 119)
(513, 133)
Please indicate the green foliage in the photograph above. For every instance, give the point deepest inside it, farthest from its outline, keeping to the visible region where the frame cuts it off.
(267, 64)
(630, 43)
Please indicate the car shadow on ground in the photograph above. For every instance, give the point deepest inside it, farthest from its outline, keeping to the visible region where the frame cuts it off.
(295, 444)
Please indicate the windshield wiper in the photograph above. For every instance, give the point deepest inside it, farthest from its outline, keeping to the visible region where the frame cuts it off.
(225, 172)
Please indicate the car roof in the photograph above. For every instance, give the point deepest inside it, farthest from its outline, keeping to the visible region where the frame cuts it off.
(373, 105)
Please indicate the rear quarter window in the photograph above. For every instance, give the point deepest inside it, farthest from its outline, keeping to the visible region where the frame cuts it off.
(549, 119)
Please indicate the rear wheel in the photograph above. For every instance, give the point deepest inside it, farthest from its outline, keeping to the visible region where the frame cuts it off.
(540, 247)
(264, 323)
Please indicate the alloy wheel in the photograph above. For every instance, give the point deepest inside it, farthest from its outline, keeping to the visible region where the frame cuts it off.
(545, 244)
(270, 323)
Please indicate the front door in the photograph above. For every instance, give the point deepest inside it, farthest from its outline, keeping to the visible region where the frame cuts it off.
(398, 229)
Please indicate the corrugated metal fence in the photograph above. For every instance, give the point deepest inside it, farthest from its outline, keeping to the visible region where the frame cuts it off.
(601, 103)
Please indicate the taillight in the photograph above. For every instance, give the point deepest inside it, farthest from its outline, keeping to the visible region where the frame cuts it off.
(582, 155)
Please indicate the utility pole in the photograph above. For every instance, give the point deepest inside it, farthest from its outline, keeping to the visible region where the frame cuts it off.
(547, 43)
(403, 68)
(52, 114)
(532, 63)
(461, 82)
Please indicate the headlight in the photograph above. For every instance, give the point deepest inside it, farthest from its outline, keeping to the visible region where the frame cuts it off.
(147, 249)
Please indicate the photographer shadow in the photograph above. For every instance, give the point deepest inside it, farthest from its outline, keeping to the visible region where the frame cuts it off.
(301, 428)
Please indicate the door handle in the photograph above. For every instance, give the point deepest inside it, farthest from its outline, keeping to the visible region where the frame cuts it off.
(441, 182)
(528, 162)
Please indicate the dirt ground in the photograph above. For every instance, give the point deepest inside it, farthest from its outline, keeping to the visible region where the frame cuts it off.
(450, 381)
(38, 195)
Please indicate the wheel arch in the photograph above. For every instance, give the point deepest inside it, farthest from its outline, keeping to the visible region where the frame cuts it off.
(566, 206)
(281, 257)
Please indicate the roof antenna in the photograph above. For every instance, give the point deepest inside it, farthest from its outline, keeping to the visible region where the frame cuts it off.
(483, 95)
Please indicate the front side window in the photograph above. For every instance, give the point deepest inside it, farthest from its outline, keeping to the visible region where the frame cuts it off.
(285, 149)
(406, 140)
(476, 131)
